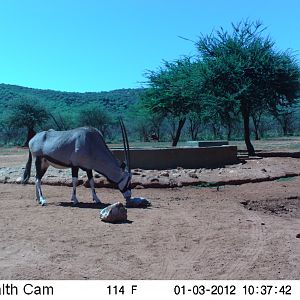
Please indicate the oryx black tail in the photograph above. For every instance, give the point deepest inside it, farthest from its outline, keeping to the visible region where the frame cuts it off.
(27, 171)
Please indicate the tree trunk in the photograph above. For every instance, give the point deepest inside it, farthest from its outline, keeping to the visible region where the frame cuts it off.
(229, 133)
(285, 129)
(145, 136)
(193, 129)
(194, 132)
(246, 119)
(256, 126)
(178, 132)
(158, 133)
(214, 131)
(257, 138)
(30, 134)
(229, 130)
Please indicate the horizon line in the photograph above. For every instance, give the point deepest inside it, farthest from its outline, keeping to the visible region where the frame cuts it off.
(66, 91)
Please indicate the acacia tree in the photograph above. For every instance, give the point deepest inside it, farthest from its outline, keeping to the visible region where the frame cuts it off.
(195, 120)
(285, 117)
(245, 66)
(221, 111)
(95, 117)
(256, 117)
(173, 92)
(145, 121)
(287, 94)
(29, 114)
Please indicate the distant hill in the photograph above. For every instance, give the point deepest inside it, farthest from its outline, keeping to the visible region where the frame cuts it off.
(116, 101)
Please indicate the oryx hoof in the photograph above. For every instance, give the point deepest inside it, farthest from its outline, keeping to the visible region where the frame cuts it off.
(97, 200)
(74, 201)
(137, 202)
(43, 202)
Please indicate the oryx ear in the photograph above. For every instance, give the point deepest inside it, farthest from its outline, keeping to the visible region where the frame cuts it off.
(123, 166)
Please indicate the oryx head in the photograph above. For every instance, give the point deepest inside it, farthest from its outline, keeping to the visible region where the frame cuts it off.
(125, 184)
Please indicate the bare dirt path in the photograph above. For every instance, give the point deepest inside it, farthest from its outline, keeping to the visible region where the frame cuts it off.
(239, 232)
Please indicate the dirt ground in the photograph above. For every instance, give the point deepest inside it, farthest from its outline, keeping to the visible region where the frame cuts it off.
(244, 231)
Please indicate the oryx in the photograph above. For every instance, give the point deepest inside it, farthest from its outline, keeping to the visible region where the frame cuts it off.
(82, 148)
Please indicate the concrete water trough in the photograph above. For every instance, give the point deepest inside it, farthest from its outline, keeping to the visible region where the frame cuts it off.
(186, 157)
(206, 143)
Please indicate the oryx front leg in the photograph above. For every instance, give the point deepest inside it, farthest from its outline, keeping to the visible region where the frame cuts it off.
(41, 166)
(92, 186)
(74, 199)
(39, 195)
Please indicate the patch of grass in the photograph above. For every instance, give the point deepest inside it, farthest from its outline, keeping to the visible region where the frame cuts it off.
(12, 151)
(284, 179)
(206, 185)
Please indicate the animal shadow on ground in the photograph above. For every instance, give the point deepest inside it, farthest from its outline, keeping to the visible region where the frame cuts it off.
(121, 222)
(85, 205)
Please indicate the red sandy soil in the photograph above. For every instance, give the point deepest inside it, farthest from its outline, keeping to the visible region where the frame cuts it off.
(246, 231)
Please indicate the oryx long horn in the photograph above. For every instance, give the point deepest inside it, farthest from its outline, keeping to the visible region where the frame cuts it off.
(127, 152)
(125, 144)
(123, 138)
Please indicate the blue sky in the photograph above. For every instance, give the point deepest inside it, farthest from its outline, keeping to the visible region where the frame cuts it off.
(98, 45)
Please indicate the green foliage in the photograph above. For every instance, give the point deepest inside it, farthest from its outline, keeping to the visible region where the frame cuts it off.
(116, 102)
(26, 114)
(239, 81)
(145, 122)
(94, 116)
(237, 64)
(172, 88)
(175, 91)
(61, 120)
(244, 67)
(64, 107)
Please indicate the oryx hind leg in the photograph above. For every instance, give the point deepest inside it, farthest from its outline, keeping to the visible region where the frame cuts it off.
(41, 165)
(74, 199)
(92, 186)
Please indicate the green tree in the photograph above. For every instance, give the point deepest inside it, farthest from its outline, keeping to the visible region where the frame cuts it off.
(257, 114)
(174, 92)
(220, 111)
(94, 116)
(29, 114)
(139, 117)
(195, 121)
(245, 67)
(144, 121)
(285, 117)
